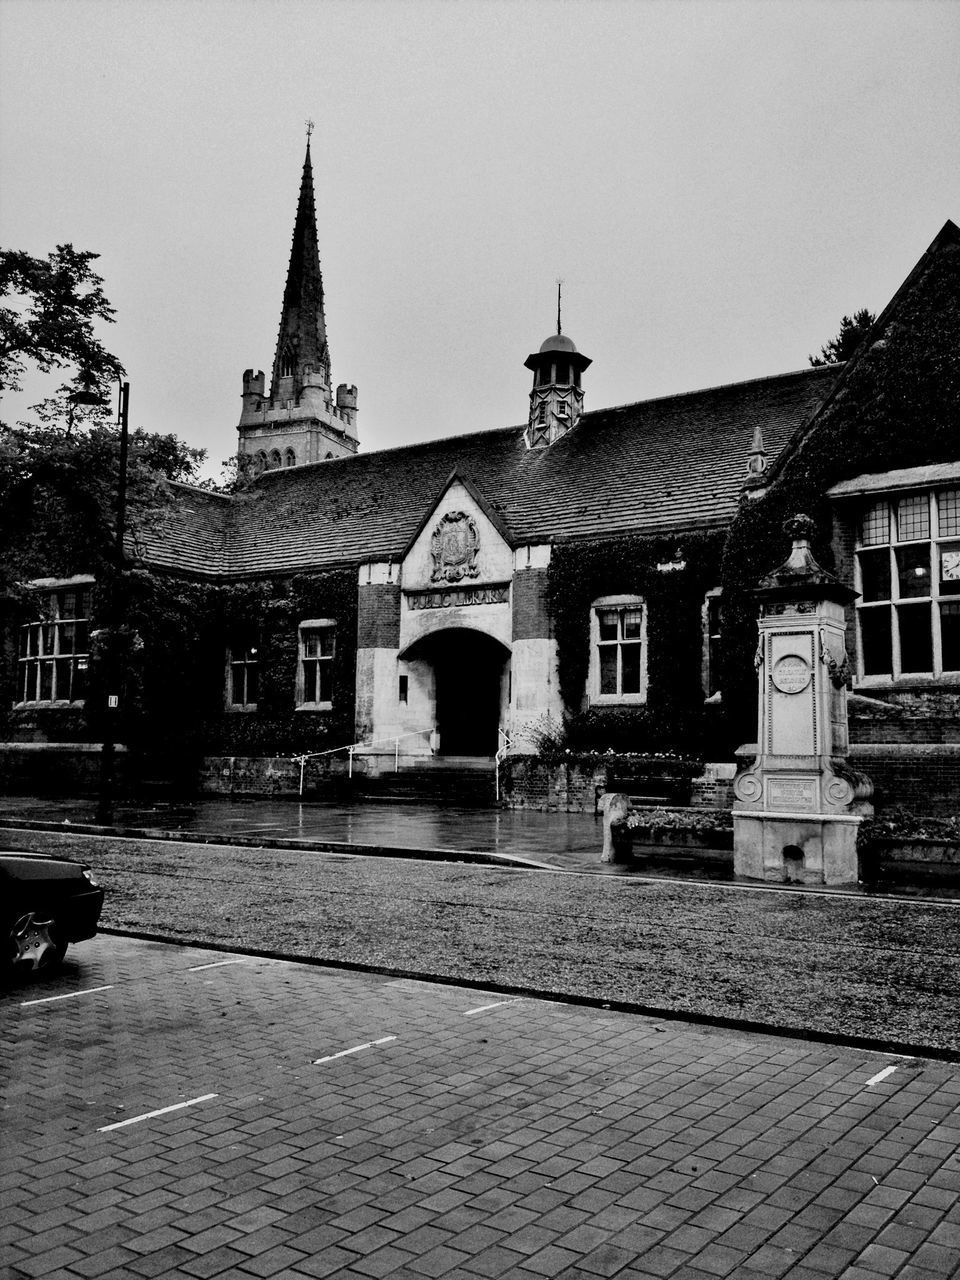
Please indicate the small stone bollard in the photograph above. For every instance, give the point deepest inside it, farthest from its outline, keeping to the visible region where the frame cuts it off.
(616, 838)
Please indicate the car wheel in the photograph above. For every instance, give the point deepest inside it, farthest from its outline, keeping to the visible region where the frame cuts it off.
(32, 942)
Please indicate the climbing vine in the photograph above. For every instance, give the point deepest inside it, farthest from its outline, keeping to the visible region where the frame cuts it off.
(673, 717)
(896, 408)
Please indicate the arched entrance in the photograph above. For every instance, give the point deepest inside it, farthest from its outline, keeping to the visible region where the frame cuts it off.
(469, 671)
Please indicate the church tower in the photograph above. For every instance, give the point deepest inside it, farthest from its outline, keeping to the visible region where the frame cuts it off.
(556, 398)
(299, 421)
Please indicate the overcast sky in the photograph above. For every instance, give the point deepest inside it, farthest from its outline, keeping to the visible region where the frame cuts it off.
(717, 183)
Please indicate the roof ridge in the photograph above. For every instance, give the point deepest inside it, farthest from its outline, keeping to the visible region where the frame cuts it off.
(720, 386)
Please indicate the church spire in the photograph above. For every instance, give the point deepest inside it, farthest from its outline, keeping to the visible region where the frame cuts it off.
(302, 357)
(301, 420)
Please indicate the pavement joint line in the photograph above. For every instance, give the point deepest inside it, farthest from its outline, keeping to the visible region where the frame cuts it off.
(215, 964)
(370, 1044)
(161, 1111)
(484, 1007)
(70, 995)
(881, 1075)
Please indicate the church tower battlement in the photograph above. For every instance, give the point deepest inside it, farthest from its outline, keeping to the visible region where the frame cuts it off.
(300, 419)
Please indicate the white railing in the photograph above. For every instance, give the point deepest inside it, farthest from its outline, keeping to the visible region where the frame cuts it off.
(352, 747)
(503, 749)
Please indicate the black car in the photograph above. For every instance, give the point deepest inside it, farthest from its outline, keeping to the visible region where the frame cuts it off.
(45, 904)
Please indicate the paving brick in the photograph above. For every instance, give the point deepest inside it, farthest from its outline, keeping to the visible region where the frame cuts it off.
(559, 1142)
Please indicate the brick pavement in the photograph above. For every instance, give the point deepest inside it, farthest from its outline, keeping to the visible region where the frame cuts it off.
(528, 1139)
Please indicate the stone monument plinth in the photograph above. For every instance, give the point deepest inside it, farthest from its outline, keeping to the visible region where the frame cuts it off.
(798, 803)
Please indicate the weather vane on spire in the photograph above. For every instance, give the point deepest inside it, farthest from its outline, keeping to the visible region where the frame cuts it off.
(310, 128)
(559, 286)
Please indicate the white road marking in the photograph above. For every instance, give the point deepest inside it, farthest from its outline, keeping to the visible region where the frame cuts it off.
(484, 1007)
(71, 995)
(881, 1075)
(356, 1049)
(217, 964)
(162, 1111)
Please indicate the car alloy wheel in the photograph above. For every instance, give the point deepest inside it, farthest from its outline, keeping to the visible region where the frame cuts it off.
(33, 942)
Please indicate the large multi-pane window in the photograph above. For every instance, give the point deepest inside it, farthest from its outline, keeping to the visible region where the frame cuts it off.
(55, 648)
(618, 649)
(315, 682)
(243, 674)
(908, 569)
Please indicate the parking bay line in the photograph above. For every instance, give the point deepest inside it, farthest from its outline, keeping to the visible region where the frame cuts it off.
(881, 1075)
(70, 995)
(484, 1007)
(356, 1049)
(217, 964)
(161, 1111)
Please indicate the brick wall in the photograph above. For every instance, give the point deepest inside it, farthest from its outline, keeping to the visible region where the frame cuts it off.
(378, 616)
(530, 618)
(924, 778)
(528, 783)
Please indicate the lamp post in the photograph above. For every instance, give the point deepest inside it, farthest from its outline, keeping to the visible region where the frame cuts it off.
(88, 395)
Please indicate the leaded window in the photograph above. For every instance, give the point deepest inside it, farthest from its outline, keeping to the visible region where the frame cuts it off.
(317, 648)
(908, 575)
(243, 674)
(618, 651)
(54, 649)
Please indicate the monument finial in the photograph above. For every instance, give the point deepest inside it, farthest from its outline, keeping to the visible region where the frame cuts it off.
(310, 128)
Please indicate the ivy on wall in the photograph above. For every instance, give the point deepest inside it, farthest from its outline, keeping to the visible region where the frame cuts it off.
(897, 407)
(580, 573)
(167, 662)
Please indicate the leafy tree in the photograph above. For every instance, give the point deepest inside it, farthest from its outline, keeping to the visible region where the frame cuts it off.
(853, 329)
(47, 320)
(59, 474)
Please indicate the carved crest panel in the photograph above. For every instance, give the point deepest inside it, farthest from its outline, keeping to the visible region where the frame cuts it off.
(454, 547)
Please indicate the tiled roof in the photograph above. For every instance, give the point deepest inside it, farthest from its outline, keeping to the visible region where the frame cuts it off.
(672, 463)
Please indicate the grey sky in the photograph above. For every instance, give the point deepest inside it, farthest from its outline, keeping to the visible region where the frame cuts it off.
(717, 182)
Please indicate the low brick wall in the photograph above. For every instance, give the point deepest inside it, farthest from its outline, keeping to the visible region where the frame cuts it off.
(921, 777)
(526, 782)
(267, 775)
(60, 768)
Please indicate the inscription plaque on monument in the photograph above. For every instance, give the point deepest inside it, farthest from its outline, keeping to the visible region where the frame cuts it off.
(791, 673)
(798, 794)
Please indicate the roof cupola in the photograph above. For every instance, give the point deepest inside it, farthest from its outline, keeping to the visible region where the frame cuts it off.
(556, 397)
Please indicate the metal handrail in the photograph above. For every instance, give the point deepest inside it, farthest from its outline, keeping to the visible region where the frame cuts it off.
(351, 747)
(505, 744)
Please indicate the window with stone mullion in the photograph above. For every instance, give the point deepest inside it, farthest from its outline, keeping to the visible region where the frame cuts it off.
(908, 575)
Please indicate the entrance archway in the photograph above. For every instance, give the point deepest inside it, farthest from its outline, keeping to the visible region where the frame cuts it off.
(469, 670)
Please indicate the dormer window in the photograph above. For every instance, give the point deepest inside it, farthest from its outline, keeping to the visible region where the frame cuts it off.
(286, 364)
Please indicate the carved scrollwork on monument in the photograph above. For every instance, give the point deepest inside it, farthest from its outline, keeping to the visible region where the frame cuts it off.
(747, 787)
(840, 671)
(454, 548)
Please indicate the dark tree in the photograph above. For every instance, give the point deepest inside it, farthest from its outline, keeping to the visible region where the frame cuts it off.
(47, 321)
(853, 329)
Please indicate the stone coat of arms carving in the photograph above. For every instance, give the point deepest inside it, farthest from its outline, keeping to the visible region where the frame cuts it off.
(454, 548)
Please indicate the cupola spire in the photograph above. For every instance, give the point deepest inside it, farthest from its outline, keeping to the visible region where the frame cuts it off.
(556, 397)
